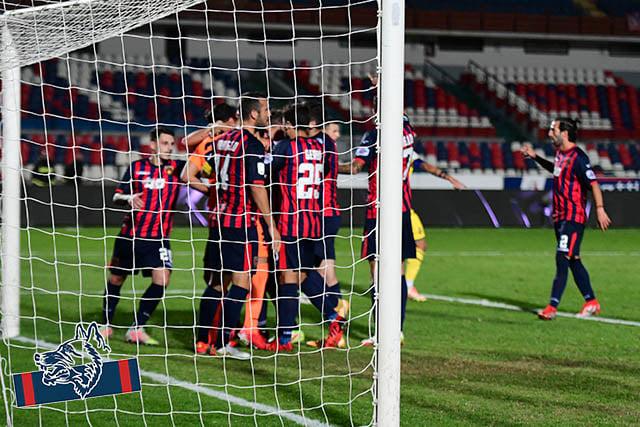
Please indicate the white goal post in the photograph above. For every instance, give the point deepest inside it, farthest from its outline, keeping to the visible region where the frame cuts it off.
(31, 35)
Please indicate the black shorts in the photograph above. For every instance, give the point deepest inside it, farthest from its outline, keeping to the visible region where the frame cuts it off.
(326, 247)
(133, 255)
(296, 254)
(369, 244)
(231, 249)
(569, 237)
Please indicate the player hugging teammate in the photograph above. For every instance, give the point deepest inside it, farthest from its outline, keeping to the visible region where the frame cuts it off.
(250, 175)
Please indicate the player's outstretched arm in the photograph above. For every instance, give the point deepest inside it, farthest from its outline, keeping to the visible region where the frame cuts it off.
(434, 170)
(528, 151)
(350, 168)
(603, 219)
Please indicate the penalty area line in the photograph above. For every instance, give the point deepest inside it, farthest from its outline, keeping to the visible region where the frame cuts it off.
(494, 304)
(171, 381)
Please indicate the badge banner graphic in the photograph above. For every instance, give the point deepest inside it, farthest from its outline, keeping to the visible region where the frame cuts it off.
(60, 379)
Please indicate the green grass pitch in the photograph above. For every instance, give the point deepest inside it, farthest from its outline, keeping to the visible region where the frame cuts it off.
(461, 364)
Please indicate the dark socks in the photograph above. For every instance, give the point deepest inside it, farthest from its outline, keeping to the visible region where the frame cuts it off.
(403, 306)
(232, 304)
(333, 294)
(560, 281)
(209, 303)
(262, 319)
(581, 276)
(111, 298)
(148, 303)
(287, 311)
(313, 287)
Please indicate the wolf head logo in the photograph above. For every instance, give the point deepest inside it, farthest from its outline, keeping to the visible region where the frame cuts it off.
(59, 366)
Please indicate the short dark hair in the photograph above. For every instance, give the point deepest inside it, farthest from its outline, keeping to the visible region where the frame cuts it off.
(250, 101)
(570, 125)
(319, 113)
(159, 130)
(316, 112)
(298, 115)
(221, 112)
(277, 116)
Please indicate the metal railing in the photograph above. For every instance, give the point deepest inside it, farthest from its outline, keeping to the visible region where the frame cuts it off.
(535, 117)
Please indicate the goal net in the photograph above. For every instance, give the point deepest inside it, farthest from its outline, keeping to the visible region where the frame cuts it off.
(83, 84)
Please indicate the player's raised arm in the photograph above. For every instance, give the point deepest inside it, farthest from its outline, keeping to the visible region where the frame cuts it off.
(221, 119)
(528, 151)
(194, 139)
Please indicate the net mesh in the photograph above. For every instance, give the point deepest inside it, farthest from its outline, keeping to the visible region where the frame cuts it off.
(96, 77)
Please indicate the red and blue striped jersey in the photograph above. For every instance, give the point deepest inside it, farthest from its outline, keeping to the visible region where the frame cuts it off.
(237, 160)
(159, 187)
(572, 179)
(330, 183)
(299, 165)
(367, 156)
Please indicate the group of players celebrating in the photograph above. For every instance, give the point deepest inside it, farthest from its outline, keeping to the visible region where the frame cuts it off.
(250, 167)
(273, 216)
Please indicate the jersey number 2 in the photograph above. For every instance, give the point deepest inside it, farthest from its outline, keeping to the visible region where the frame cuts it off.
(309, 179)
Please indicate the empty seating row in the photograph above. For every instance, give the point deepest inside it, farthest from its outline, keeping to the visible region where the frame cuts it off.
(610, 109)
(431, 108)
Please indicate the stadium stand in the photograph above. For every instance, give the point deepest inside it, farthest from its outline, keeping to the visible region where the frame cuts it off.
(432, 109)
(606, 105)
(134, 91)
(455, 136)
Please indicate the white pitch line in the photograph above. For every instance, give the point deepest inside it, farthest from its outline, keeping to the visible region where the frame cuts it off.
(494, 304)
(468, 301)
(168, 380)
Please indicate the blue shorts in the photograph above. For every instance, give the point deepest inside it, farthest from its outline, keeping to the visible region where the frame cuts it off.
(326, 248)
(369, 244)
(296, 254)
(133, 255)
(569, 237)
(231, 249)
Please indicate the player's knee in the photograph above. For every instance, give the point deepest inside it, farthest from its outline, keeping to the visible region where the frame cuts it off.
(116, 280)
(421, 244)
(242, 280)
(216, 287)
(161, 277)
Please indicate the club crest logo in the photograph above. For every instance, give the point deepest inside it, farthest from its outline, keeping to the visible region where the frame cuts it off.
(60, 366)
(76, 369)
